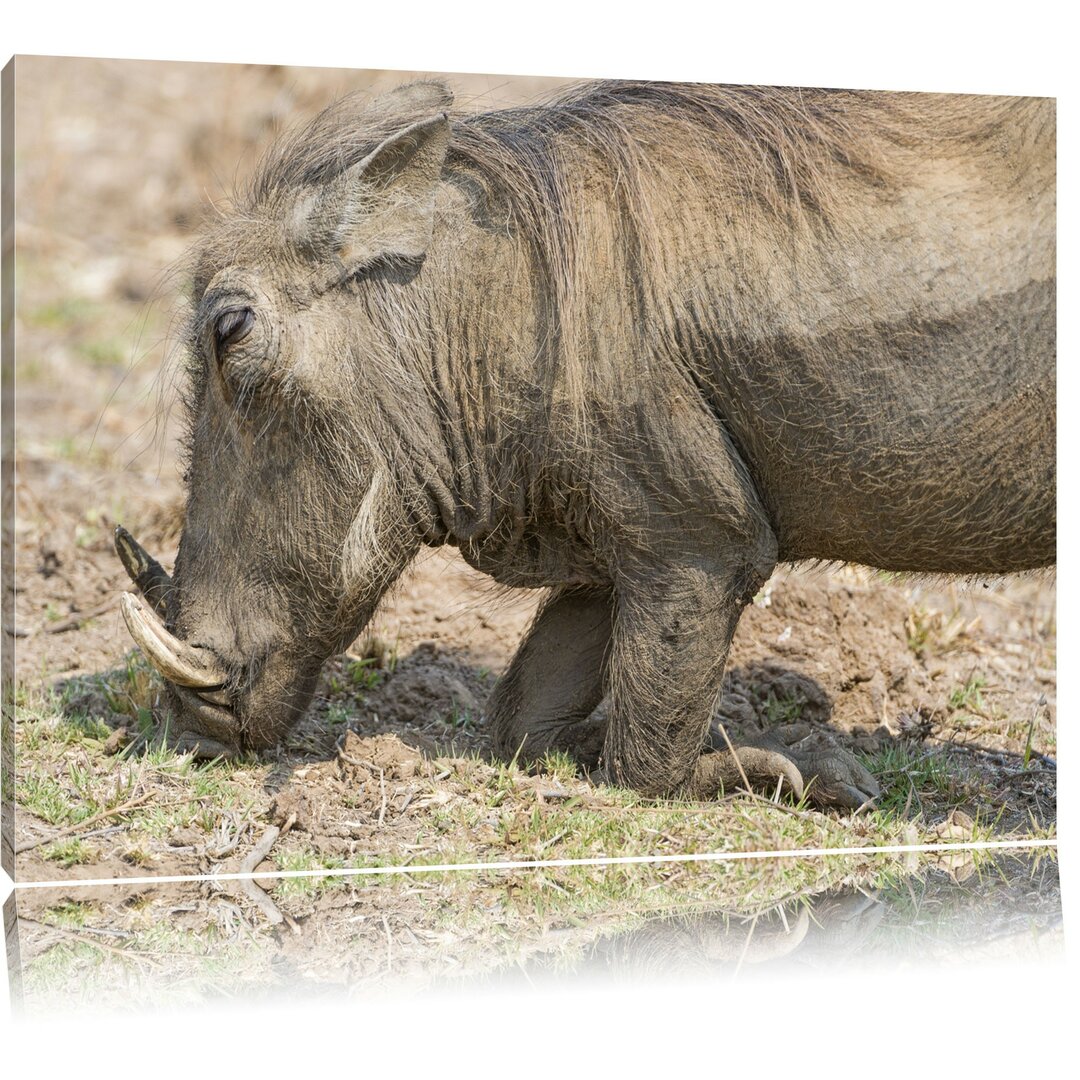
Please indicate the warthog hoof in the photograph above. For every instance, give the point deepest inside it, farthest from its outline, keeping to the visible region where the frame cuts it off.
(809, 762)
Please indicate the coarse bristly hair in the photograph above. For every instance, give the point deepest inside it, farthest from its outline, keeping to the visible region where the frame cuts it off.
(783, 163)
(661, 337)
(775, 145)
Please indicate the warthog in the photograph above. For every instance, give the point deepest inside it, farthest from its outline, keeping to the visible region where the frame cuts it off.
(636, 347)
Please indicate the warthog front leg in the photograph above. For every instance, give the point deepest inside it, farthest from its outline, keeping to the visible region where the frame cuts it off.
(673, 629)
(546, 699)
(658, 652)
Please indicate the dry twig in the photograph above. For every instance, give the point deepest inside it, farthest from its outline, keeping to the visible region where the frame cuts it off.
(80, 827)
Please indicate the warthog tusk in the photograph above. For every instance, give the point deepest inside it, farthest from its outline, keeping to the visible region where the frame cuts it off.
(216, 697)
(177, 661)
(149, 575)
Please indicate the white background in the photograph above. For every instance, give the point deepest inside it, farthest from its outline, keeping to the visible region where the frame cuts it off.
(986, 1022)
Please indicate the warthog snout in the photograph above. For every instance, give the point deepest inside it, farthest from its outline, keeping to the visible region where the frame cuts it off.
(231, 688)
(213, 713)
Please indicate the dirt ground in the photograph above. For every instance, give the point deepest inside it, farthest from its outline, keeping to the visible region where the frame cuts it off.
(948, 693)
(138, 947)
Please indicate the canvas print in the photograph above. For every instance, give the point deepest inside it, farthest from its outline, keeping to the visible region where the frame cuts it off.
(412, 469)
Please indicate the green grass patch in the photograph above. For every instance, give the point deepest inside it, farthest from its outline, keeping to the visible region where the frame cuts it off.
(784, 708)
(69, 852)
(65, 312)
(104, 352)
(559, 766)
(71, 914)
(969, 696)
(304, 858)
(45, 797)
(63, 777)
(133, 691)
(363, 674)
(917, 783)
(458, 719)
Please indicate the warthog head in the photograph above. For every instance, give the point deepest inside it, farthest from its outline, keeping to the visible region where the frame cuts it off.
(304, 496)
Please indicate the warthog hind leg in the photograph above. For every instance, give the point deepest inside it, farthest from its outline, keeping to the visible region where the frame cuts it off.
(547, 698)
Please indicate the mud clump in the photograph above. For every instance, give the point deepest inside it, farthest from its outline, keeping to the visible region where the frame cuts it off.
(293, 807)
(425, 691)
(828, 653)
(383, 757)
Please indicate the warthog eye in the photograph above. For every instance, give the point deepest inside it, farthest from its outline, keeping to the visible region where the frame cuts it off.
(232, 326)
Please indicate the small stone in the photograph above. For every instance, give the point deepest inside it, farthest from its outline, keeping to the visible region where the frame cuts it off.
(117, 741)
(292, 803)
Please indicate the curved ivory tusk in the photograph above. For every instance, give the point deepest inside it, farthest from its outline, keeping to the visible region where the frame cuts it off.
(150, 577)
(178, 662)
(216, 697)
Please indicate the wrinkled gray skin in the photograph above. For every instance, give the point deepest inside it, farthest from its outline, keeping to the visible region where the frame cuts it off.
(635, 348)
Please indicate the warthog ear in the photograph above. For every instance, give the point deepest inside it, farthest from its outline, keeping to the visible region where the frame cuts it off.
(411, 100)
(383, 205)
